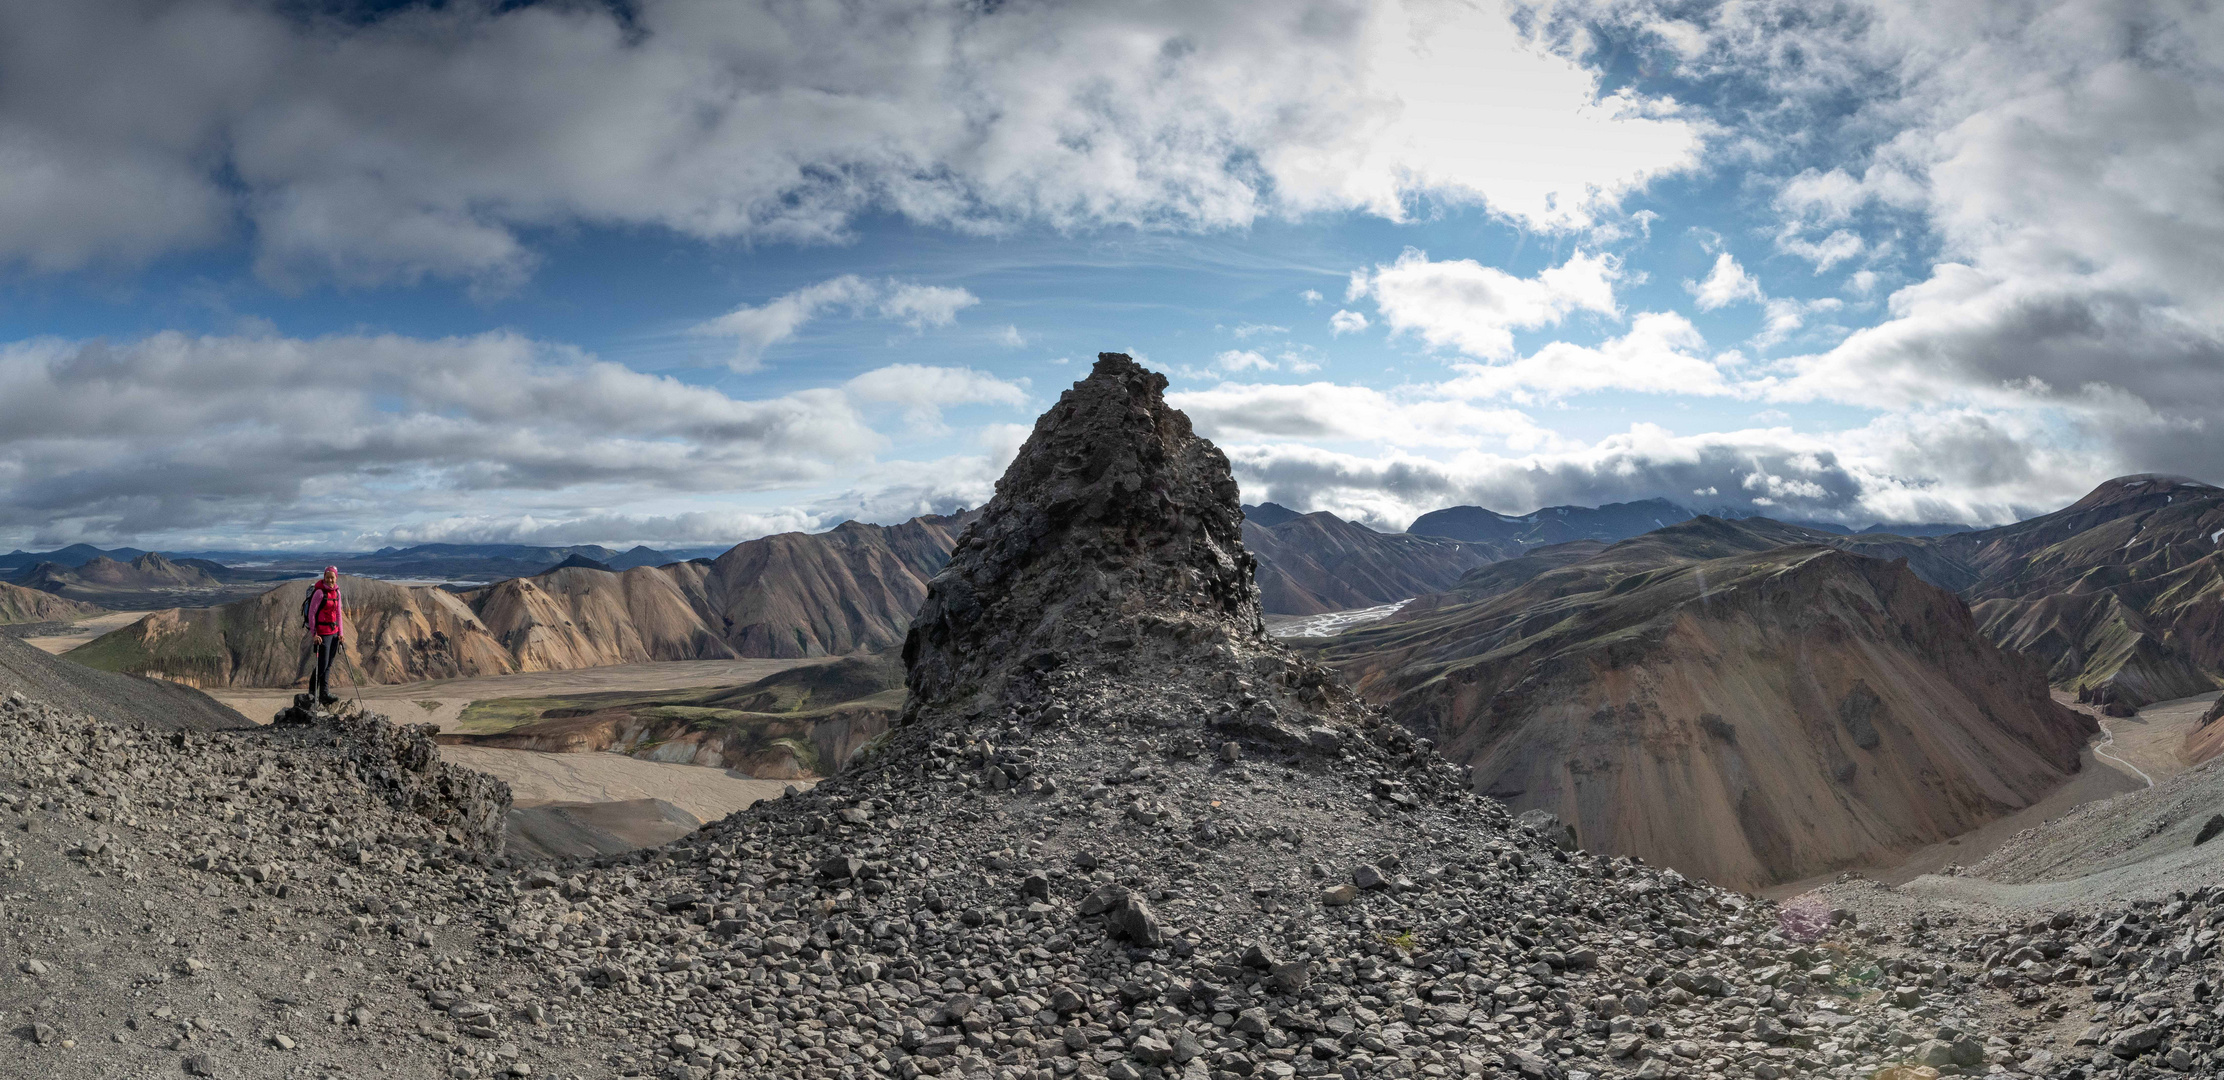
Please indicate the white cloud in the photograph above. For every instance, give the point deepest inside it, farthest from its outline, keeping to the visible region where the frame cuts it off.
(1011, 338)
(692, 527)
(1242, 360)
(1247, 331)
(1329, 411)
(1661, 354)
(431, 139)
(1475, 308)
(1312, 296)
(1726, 284)
(1840, 245)
(925, 391)
(755, 329)
(1784, 316)
(921, 306)
(1346, 322)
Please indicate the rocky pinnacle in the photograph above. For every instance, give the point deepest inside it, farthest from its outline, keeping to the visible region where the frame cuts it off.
(1115, 526)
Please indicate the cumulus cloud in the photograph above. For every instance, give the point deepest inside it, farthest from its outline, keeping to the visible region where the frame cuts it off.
(755, 329)
(1333, 412)
(1462, 304)
(692, 527)
(1346, 322)
(431, 139)
(1661, 354)
(925, 391)
(1242, 360)
(173, 432)
(1726, 284)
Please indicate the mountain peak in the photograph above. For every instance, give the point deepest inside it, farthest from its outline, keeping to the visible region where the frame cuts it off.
(2139, 486)
(1114, 519)
(1268, 515)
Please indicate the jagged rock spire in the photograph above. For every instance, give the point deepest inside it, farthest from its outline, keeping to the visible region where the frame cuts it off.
(1115, 521)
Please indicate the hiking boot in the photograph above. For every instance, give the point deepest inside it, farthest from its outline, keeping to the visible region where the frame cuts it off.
(327, 700)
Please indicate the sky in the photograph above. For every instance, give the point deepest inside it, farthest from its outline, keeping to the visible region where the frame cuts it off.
(349, 274)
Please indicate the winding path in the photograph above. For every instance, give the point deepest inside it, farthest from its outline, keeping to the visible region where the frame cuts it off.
(2100, 749)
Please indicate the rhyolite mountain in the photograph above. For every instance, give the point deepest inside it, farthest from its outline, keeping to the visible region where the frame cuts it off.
(1733, 698)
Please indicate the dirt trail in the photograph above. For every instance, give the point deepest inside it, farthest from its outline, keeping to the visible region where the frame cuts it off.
(2108, 739)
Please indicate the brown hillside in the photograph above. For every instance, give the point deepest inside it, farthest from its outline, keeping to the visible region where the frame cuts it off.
(1749, 716)
(829, 593)
(21, 605)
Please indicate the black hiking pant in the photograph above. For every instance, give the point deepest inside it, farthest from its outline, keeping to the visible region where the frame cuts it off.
(320, 683)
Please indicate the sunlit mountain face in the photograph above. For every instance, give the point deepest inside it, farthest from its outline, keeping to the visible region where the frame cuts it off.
(359, 275)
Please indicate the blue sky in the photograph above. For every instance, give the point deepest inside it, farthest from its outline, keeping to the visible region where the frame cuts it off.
(543, 273)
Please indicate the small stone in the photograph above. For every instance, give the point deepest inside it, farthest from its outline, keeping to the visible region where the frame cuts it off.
(34, 967)
(1368, 876)
(1339, 895)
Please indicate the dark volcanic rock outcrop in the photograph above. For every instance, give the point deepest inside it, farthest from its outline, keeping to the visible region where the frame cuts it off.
(1114, 538)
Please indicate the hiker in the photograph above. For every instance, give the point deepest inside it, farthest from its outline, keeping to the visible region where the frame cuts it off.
(321, 614)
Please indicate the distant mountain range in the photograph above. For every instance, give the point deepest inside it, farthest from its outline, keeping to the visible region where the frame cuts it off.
(72, 556)
(847, 590)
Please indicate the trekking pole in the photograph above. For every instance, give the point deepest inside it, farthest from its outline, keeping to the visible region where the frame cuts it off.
(355, 676)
